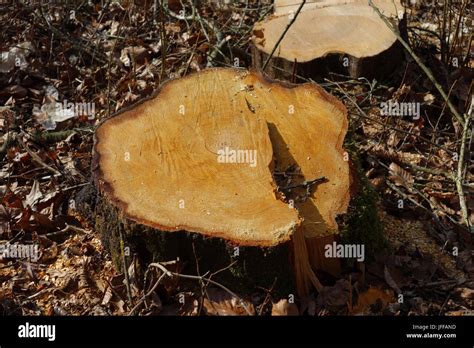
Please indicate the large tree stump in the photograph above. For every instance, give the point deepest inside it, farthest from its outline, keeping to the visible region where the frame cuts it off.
(222, 159)
(330, 36)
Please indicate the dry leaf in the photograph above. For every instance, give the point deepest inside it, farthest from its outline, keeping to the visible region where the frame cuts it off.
(220, 302)
(378, 181)
(34, 195)
(107, 296)
(133, 54)
(400, 176)
(284, 308)
(370, 298)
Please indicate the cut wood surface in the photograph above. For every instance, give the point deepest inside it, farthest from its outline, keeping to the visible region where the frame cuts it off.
(350, 27)
(281, 7)
(168, 162)
(332, 27)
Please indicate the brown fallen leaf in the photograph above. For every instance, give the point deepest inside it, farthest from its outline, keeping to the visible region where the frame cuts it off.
(372, 297)
(467, 295)
(400, 176)
(377, 182)
(220, 302)
(461, 313)
(284, 308)
(133, 54)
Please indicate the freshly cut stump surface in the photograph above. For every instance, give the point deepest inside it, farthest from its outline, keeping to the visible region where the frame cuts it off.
(227, 153)
(349, 28)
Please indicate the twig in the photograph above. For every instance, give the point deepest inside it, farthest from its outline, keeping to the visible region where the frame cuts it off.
(199, 278)
(431, 170)
(75, 186)
(116, 293)
(203, 286)
(306, 184)
(143, 299)
(217, 48)
(31, 297)
(205, 23)
(67, 229)
(191, 56)
(195, 14)
(413, 190)
(52, 137)
(163, 42)
(109, 65)
(460, 174)
(283, 34)
(36, 158)
(420, 63)
(445, 282)
(405, 196)
(125, 268)
(251, 28)
(267, 297)
(451, 50)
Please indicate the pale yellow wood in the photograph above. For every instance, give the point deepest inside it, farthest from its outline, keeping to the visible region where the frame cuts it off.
(388, 7)
(345, 27)
(159, 160)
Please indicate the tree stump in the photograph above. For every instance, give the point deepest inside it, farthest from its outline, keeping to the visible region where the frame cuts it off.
(331, 36)
(229, 164)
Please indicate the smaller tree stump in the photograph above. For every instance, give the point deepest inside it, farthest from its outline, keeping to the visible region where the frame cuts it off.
(333, 36)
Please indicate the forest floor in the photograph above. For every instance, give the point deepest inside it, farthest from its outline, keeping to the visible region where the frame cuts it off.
(109, 54)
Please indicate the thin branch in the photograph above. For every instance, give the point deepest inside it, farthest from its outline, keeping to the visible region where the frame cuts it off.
(125, 267)
(66, 230)
(283, 34)
(163, 42)
(199, 278)
(143, 299)
(460, 175)
(37, 158)
(432, 171)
